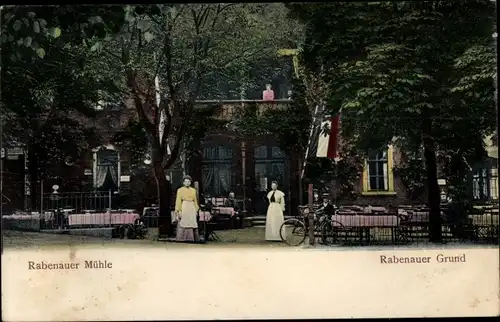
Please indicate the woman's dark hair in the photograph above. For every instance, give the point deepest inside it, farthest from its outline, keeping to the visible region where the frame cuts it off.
(187, 178)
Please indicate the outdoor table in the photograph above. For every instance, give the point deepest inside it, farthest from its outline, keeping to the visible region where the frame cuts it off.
(102, 219)
(224, 211)
(362, 223)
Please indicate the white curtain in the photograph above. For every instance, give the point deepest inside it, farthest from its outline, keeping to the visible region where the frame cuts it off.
(113, 170)
(106, 161)
(480, 184)
(494, 183)
(224, 178)
(386, 175)
(385, 169)
(100, 175)
(475, 187)
(484, 183)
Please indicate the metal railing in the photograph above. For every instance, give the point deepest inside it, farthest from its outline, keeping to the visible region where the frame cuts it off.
(410, 225)
(78, 201)
(76, 209)
(232, 108)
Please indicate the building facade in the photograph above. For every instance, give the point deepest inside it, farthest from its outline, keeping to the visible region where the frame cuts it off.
(228, 161)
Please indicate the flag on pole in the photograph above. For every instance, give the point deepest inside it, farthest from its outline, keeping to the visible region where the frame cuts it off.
(323, 142)
(323, 137)
(332, 131)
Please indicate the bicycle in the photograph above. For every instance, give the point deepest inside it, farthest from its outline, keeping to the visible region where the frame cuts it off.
(294, 230)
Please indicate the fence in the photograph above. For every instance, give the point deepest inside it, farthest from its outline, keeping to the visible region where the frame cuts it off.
(410, 225)
(78, 202)
(66, 211)
(83, 210)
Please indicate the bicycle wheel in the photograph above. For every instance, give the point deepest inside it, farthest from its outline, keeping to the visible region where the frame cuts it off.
(330, 232)
(293, 232)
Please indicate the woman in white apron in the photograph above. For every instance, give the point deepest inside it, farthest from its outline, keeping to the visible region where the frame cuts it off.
(186, 211)
(275, 218)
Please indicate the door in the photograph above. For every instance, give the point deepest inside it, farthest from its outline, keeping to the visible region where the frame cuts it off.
(270, 165)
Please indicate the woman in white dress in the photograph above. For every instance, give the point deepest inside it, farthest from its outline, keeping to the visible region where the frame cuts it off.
(275, 218)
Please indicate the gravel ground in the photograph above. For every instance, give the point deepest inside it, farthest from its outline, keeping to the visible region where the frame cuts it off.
(248, 237)
(253, 237)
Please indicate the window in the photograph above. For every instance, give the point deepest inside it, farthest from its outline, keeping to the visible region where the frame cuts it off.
(494, 183)
(377, 173)
(106, 170)
(480, 184)
(107, 158)
(217, 170)
(485, 184)
(269, 166)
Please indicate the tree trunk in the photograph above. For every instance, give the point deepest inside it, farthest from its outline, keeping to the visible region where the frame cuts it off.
(164, 192)
(434, 196)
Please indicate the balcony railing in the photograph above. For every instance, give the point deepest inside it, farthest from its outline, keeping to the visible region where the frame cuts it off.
(231, 108)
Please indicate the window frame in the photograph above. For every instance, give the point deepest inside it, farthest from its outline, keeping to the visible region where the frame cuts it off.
(215, 162)
(487, 179)
(270, 160)
(493, 181)
(366, 191)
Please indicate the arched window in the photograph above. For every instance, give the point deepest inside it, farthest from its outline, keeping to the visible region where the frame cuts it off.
(106, 169)
(217, 170)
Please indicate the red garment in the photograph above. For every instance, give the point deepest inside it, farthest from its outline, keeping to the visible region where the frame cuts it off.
(268, 95)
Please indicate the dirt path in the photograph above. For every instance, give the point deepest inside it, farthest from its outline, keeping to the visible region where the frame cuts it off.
(244, 238)
(250, 237)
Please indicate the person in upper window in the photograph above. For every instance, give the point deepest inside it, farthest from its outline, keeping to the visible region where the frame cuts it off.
(268, 94)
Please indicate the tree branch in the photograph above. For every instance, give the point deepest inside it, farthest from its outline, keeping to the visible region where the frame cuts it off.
(138, 104)
(167, 163)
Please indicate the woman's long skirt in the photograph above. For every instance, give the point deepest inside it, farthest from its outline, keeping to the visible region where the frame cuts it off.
(274, 220)
(187, 227)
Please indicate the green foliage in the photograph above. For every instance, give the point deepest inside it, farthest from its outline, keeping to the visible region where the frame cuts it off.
(250, 124)
(412, 175)
(338, 179)
(36, 28)
(133, 138)
(49, 91)
(292, 125)
(394, 67)
(195, 50)
(200, 125)
(289, 125)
